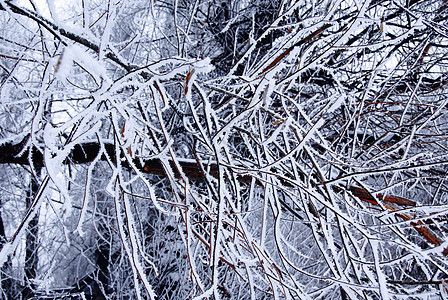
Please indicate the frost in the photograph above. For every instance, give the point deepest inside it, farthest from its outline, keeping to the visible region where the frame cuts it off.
(202, 149)
(381, 277)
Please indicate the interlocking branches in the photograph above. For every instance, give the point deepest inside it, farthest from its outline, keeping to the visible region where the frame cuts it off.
(310, 164)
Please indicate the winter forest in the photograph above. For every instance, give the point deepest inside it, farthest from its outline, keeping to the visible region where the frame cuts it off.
(224, 149)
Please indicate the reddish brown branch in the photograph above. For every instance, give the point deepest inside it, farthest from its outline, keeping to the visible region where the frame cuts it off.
(367, 197)
(419, 226)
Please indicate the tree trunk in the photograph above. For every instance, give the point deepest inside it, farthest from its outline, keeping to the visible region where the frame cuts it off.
(32, 244)
(6, 282)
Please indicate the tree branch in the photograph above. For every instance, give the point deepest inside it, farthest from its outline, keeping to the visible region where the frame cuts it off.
(57, 32)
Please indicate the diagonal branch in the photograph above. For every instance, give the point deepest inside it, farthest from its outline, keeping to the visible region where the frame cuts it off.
(59, 32)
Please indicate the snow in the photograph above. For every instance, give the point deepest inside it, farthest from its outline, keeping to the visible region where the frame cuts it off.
(382, 282)
(249, 225)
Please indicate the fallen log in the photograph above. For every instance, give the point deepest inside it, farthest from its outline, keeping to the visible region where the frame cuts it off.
(83, 153)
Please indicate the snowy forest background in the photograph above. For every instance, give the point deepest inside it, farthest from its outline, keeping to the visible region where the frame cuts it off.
(223, 149)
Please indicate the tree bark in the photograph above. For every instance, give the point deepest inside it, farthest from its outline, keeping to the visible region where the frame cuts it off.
(31, 243)
(7, 284)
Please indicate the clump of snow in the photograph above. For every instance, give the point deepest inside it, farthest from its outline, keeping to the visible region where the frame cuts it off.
(75, 54)
(64, 64)
(203, 66)
(419, 24)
